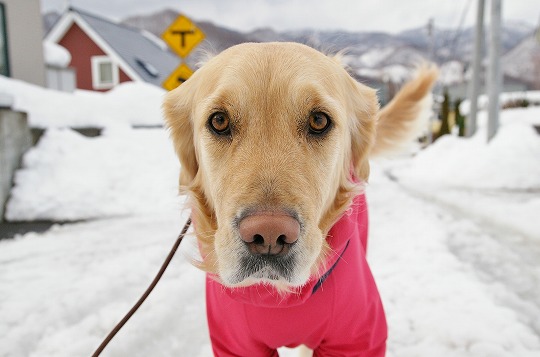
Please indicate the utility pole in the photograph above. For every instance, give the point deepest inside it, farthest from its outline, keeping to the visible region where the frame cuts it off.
(536, 55)
(474, 85)
(538, 31)
(494, 78)
(431, 39)
(431, 36)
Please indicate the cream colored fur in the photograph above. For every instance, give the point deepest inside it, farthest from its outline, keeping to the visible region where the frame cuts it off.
(270, 160)
(406, 116)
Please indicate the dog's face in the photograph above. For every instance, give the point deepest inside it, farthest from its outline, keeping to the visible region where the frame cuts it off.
(269, 137)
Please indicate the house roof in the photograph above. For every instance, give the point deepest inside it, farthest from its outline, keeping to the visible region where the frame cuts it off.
(139, 53)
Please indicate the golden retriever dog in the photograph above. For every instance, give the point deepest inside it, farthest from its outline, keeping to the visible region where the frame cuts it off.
(274, 141)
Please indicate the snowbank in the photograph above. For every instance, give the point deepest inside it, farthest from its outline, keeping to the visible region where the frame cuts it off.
(130, 103)
(509, 161)
(71, 177)
(56, 55)
(496, 182)
(533, 96)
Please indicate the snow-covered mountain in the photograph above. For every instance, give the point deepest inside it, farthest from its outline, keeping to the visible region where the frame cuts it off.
(523, 61)
(366, 52)
(218, 38)
(364, 49)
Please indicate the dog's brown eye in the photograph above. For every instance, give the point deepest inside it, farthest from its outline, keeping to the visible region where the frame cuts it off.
(220, 123)
(318, 123)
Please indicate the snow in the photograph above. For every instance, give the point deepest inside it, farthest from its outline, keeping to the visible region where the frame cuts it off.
(63, 290)
(130, 103)
(451, 72)
(531, 96)
(522, 61)
(394, 73)
(510, 161)
(133, 171)
(155, 40)
(56, 55)
(499, 180)
(375, 56)
(454, 243)
(436, 303)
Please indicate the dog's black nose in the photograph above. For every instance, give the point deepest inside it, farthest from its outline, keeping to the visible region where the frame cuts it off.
(269, 233)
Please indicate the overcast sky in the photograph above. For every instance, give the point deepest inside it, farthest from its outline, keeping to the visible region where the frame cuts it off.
(352, 15)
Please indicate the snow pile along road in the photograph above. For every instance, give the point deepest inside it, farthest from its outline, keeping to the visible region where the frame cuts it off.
(71, 177)
(497, 183)
(510, 161)
(130, 103)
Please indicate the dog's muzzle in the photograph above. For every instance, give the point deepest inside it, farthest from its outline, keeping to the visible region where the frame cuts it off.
(269, 239)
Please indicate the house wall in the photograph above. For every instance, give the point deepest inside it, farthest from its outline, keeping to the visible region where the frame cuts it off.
(24, 36)
(82, 49)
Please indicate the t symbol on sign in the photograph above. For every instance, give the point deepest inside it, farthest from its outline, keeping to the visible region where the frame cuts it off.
(183, 36)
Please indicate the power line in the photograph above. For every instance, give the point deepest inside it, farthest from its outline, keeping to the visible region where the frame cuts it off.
(538, 31)
(459, 30)
(447, 39)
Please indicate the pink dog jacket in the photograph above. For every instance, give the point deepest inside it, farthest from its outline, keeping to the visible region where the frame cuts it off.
(339, 314)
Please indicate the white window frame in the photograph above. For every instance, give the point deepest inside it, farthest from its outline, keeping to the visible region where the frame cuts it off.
(96, 82)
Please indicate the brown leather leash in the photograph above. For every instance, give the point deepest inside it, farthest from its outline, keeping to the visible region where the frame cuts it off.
(146, 293)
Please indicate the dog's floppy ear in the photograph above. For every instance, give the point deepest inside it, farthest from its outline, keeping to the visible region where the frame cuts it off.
(365, 106)
(178, 109)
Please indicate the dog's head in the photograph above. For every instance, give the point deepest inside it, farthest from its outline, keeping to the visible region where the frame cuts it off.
(272, 139)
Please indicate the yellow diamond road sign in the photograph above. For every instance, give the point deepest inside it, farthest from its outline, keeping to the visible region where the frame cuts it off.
(182, 36)
(179, 76)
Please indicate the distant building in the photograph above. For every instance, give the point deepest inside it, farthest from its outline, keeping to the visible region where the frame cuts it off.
(21, 52)
(105, 53)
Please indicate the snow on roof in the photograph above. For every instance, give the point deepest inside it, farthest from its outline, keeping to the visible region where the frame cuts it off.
(56, 55)
(157, 41)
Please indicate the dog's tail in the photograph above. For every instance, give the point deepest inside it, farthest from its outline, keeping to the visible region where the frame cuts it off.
(407, 114)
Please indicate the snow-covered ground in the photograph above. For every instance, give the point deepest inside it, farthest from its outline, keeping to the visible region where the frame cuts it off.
(454, 246)
(131, 103)
(531, 96)
(68, 176)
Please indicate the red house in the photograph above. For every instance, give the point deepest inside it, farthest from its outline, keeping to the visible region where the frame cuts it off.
(105, 53)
